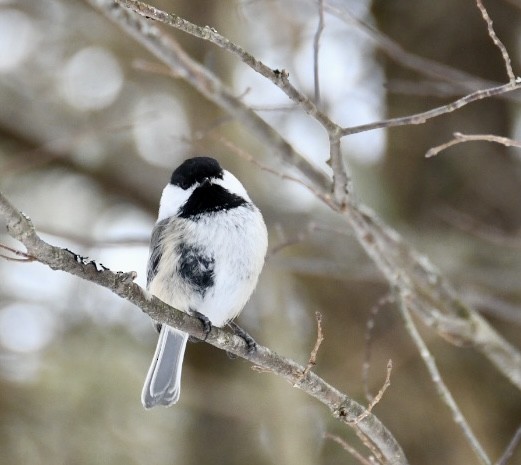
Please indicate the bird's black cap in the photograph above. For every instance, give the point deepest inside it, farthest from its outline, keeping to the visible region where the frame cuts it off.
(195, 170)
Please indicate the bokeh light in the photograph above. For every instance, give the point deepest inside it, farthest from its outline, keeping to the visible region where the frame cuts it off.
(160, 129)
(91, 79)
(18, 38)
(25, 327)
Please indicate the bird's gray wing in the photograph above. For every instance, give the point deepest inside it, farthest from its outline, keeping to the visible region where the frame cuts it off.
(163, 381)
(156, 251)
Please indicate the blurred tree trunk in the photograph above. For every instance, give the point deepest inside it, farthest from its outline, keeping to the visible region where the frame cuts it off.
(478, 178)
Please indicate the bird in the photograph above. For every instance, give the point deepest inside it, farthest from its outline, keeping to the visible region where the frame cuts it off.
(207, 250)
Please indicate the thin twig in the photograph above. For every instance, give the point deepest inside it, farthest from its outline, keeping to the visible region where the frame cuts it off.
(441, 387)
(509, 451)
(313, 356)
(376, 456)
(24, 257)
(460, 81)
(369, 327)
(497, 42)
(348, 448)
(380, 394)
(316, 50)
(13, 259)
(423, 88)
(152, 67)
(275, 249)
(480, 230)
(240, 152)
(284, 241)
(460, 138)
(421, 118)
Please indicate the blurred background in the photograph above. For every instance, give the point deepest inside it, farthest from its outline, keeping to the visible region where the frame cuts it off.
(91, 126)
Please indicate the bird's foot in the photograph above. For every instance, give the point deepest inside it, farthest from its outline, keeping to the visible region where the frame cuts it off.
(205, 321)
(238, 331)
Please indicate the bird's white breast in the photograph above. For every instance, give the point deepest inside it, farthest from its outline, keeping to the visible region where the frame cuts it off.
(237, 241)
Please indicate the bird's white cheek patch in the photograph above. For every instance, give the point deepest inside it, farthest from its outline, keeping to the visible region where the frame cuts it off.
(172, 199)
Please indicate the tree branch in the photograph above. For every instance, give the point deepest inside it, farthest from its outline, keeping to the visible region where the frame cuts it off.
(278, 77)
(421, 118)
(441, 387)
(437, 302)
(340, 178)
(460, 138)
(122, 284)
(497, 42)
(463, 81)
(509, 451)
(316, 50)
(433, 299)
(348, 448)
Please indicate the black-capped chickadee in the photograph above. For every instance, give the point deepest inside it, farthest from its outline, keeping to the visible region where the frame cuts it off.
(206, 253)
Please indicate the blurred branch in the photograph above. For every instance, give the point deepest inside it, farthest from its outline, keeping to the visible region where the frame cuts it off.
(494, 307)
(369, 327)
(88, 241)
(423, 88)
(233, 148)
(316, 50)
(514, 3)
(347, 447)
(461, 81)
(455, 81)
(30, 155)
(480, 230)
(122, 284)
(460, 138)
(441, 387)
(433, 299)
(509, 451)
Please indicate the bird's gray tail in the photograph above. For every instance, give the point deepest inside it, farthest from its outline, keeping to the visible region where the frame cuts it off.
(163, 382)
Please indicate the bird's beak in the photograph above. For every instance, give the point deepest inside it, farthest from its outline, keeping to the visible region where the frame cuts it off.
(205, 182)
